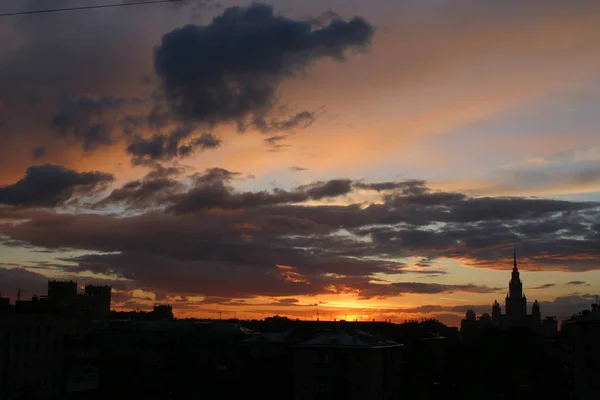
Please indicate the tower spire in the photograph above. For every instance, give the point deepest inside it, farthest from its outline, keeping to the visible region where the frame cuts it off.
(515, 256)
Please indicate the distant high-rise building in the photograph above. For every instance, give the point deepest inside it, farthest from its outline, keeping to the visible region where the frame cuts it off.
(516, 310)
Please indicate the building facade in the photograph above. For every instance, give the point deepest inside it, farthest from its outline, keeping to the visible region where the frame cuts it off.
(33, 350)
(581, 352)
(347, 365)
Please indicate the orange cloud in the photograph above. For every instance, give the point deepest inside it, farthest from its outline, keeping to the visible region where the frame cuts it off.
(290, 274)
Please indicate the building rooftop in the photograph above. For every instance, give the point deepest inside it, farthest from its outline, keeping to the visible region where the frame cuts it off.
(356, 339)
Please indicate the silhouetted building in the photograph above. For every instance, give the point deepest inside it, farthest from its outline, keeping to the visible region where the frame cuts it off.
(4, 303)
(96, 300)
(32, 354)
(175, 359)
(347, 365)
(581, 349)
(516, 311)
(516, 305)
(62, 295)
(162, 312)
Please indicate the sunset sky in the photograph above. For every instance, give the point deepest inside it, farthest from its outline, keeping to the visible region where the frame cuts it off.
(351, 159)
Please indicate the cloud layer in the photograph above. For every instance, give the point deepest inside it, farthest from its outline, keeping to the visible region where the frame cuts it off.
(205, 238)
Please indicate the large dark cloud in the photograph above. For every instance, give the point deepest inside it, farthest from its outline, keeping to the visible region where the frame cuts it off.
(230, 69)
(52, 185)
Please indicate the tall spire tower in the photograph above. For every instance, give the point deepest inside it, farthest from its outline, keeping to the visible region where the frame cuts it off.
(516, 302)
(515, 286)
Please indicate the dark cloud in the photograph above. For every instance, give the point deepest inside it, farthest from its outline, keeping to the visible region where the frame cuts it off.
(206, 141)
(296, 168)
(544, 286)
(130, 124)
(230, 69)
(13, 279)
(423, 263)
(275, 142)
(38, 152)
(34, 100)
(164, 172)
(332, 188)
(180, 142)
(85, 119)
(286, 224)
(387, 186)
(577, 283)
(52, 185)
(288, 301)
(213, 190)
(397, 289)
(153, 190)
(300, 120)
(143, 193)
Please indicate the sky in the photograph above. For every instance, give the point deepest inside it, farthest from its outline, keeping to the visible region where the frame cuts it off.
(331, 159)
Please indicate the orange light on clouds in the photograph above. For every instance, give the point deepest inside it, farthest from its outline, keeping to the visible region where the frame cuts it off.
(290, 274)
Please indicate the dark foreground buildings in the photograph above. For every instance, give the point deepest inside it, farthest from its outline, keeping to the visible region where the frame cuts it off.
(46, 343)
(69, 345)
(580, 340)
